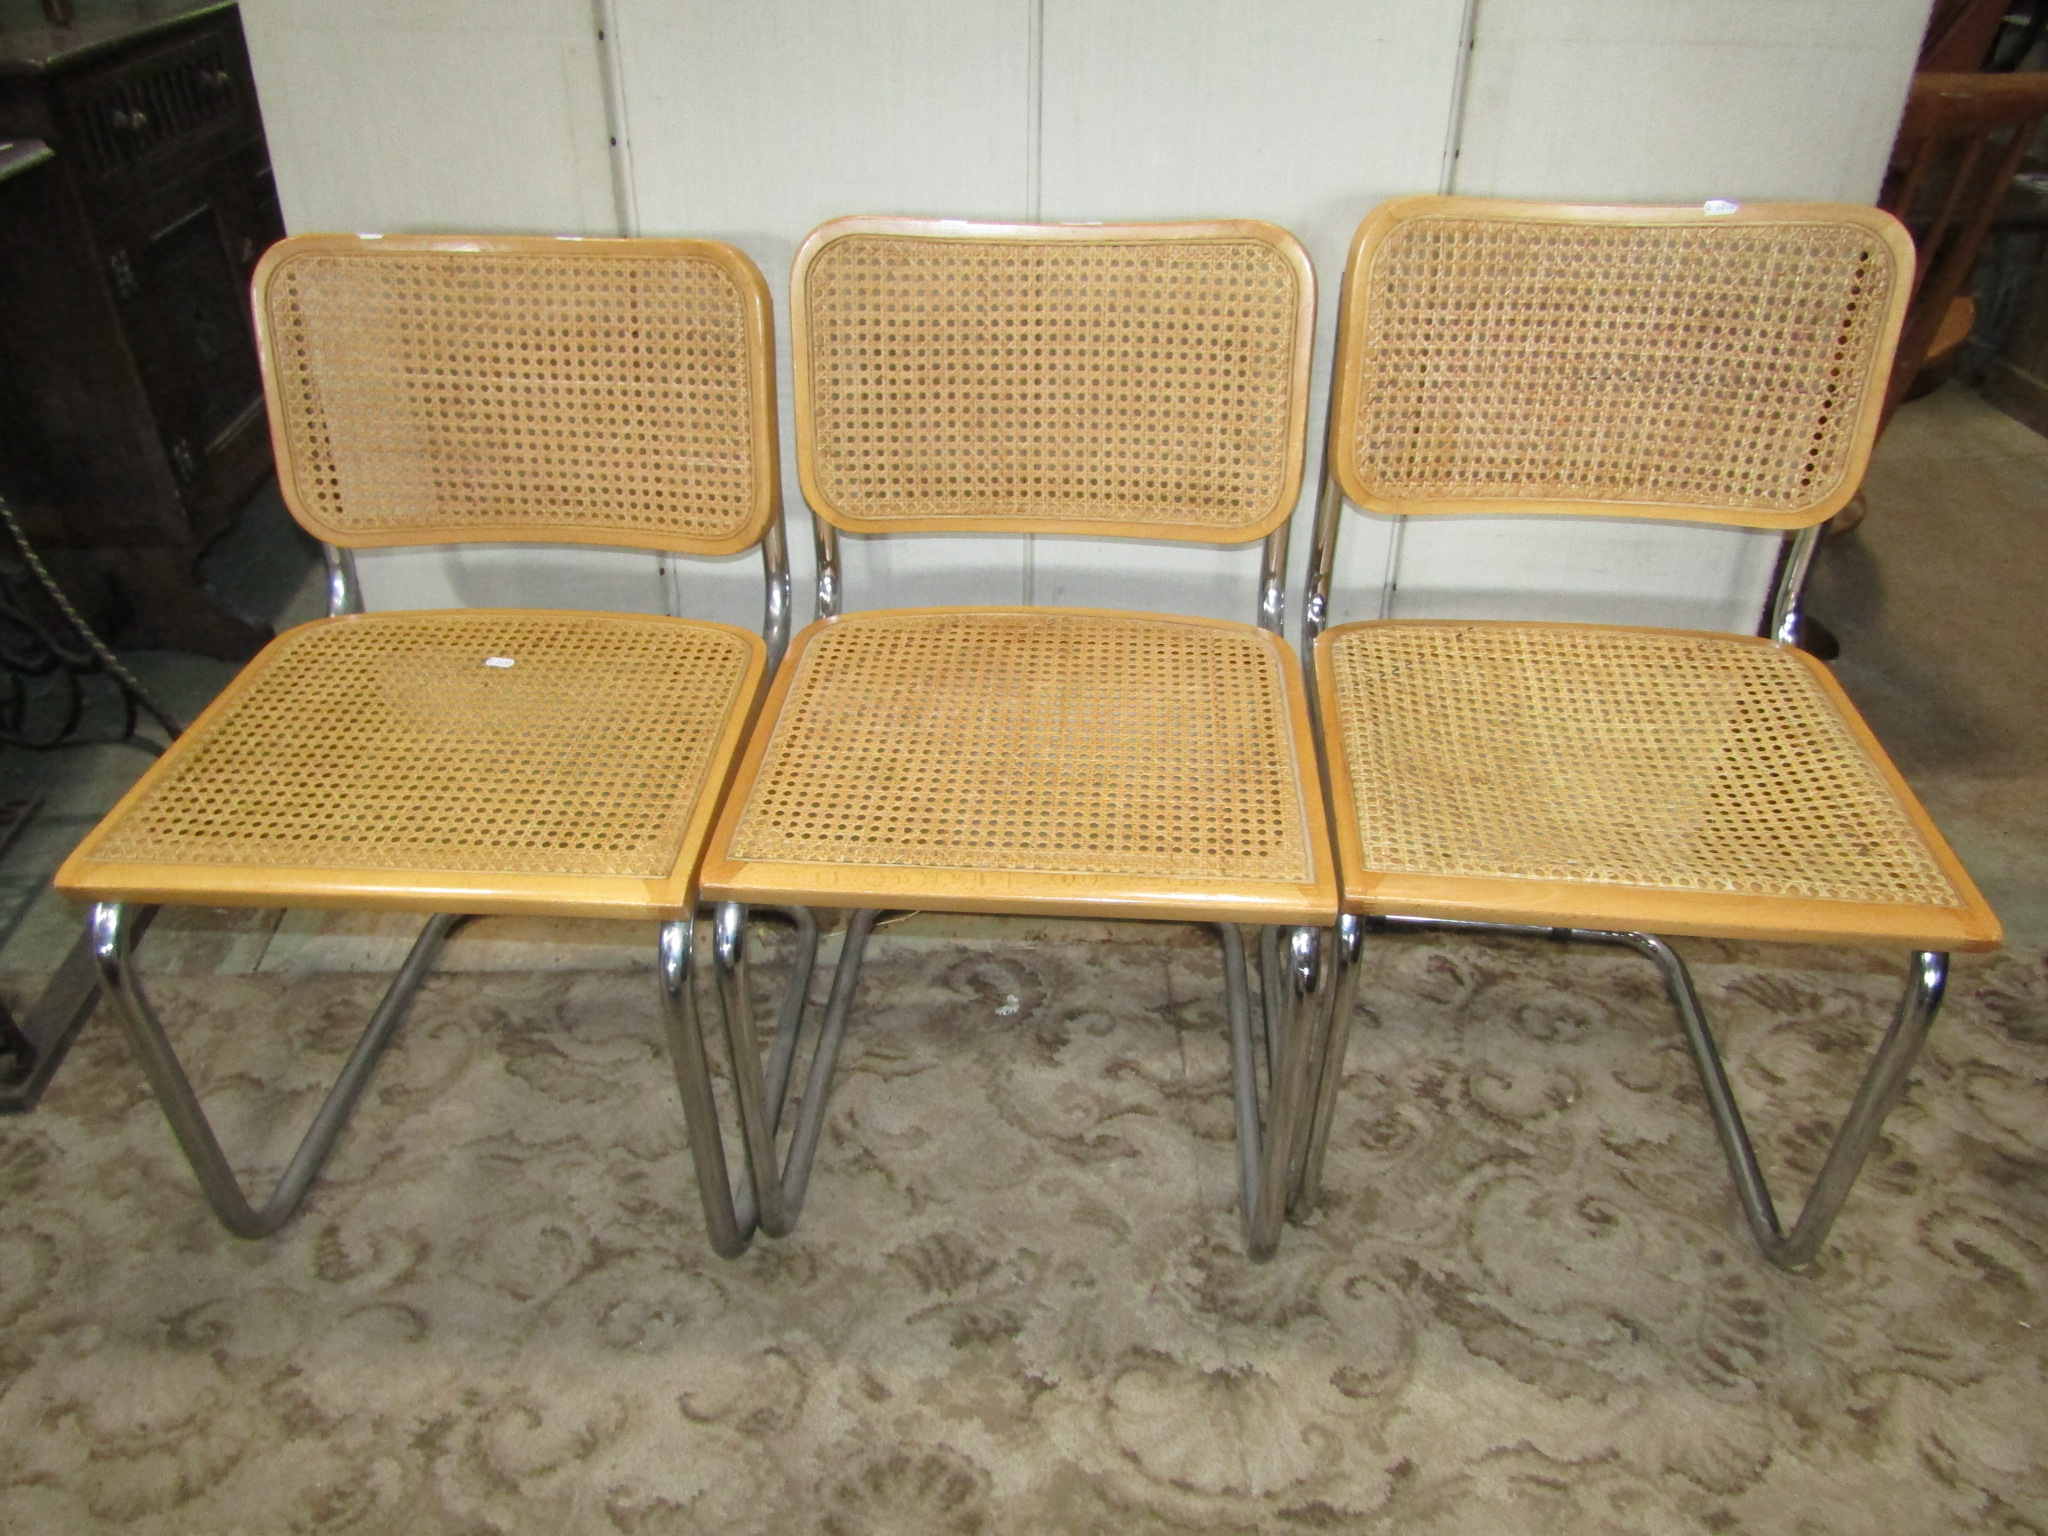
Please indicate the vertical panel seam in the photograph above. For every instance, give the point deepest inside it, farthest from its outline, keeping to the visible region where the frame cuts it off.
(612, 81)
(1454, 120)
(1034, 197)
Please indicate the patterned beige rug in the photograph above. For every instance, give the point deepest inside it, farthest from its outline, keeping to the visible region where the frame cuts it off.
(1017, 1302)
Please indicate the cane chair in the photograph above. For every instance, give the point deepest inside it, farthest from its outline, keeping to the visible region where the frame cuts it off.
(1718, 365)
(426, 390)
(1141, 381)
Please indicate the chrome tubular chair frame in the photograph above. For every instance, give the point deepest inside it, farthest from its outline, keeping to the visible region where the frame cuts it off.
(117, 924)
(1293, 1017)
(114, 926)
(1273, 1145)
(1882, 1082)
(1884, 1077)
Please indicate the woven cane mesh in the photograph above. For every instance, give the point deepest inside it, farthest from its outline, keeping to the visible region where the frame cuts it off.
(386, 742)
(1151, 382)
(1719, 366)
(1617, 758)
(453, 391)
(1049, 743)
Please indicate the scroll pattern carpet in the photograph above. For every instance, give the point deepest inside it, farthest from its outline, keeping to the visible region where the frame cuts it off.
(1018, 1301)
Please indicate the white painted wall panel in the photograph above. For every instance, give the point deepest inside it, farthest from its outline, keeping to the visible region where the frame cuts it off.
(1656, 101)
(1303, 112)
(459, 115)
(498, 576)
(1679, 100)
(755, 123)
(470, 115)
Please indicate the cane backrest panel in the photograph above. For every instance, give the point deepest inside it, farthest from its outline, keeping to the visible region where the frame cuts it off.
(1146, 379)
(431, 390)
(1032, 760)
(529, 760)
(1595, 775)
(1715, 364)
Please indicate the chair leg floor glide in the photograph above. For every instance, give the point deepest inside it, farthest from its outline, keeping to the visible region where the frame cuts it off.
(1272, 1136)
(1883, 1080)
(114, 927)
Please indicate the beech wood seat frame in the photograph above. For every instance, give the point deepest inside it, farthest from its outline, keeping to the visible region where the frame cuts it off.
(1271, 1140)
(598, 409)
(1554, 908)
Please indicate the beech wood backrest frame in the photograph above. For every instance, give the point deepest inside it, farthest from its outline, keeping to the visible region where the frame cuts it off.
(751, 288)
(1341, 481)
(827, 519)
(1353, 311)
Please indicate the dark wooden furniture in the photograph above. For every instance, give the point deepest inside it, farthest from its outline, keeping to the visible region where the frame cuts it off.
(131, 425)
(1961, 142)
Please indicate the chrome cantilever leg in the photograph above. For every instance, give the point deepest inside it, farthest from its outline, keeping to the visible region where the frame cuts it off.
(1268, 1145)
(731, 1223)
(733, 1218)
(794, 1180)
(1271, 1143)
(1883, 1079)
(1327, 1074)
(674, 952)
(113, 939)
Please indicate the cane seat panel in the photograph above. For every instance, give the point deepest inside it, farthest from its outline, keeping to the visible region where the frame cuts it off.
(1032, 760)
(428, 390)
(1579, 775)
(1665, 362)
(1147, 379)
(523, 760)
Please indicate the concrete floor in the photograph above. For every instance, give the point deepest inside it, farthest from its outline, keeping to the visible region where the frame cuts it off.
(1937, 598)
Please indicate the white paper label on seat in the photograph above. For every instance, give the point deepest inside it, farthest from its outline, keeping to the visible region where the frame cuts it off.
(498, 661)
(1720, 205)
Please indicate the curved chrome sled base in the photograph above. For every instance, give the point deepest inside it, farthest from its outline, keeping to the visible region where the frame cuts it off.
(114, 926)
(1272, 1141)
(1883, 1080)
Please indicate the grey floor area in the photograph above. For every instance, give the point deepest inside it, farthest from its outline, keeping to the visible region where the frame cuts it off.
(1017, 1300)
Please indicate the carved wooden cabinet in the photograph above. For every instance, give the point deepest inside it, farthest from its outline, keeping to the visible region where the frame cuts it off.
(132, 419)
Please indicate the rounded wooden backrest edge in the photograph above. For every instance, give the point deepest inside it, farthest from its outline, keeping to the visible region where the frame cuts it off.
(1281, 240)
(747, 278)
(1371, 235)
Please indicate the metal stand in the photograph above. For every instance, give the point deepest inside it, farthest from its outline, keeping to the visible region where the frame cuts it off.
(1272, 1144)
(1883, 1080)
(113, 929)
